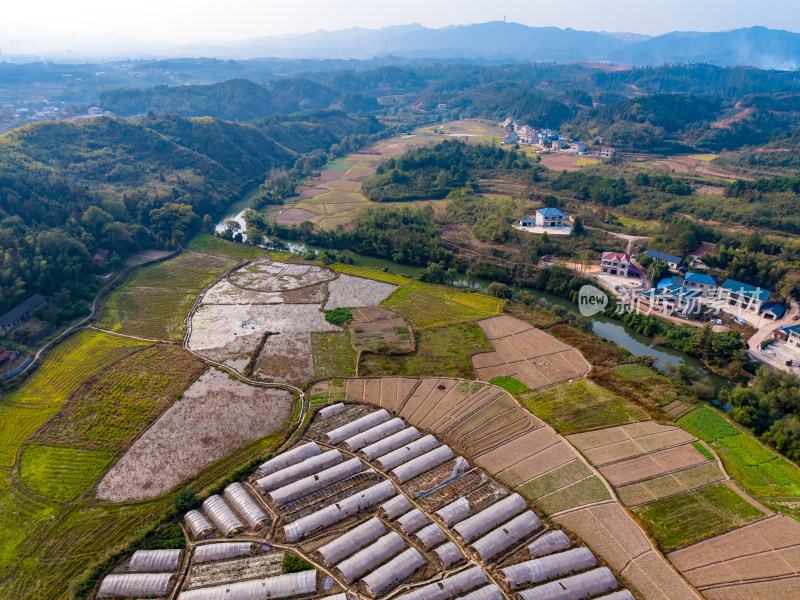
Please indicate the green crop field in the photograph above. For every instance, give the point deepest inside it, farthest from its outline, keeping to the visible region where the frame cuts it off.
(370, 273)
(425, 310)
(585, 491)
(478, 301)
(772, 479)
(510, 384)
(338, 164)
(79, 357)
(112, 408)
(157, 299)
(333, 354)
(61, 473)
(579, 406)
(687, 518)
(441, 352)
(208, 243)
(634, 371)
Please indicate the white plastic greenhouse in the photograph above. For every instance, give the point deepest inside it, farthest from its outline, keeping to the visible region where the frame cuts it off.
(351, 542)
(350, 429)
(287, 459)
(388, 444)
(299, 470)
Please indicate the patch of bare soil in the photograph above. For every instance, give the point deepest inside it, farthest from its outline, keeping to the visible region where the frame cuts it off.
(294, 216)
(560, 162)
(709, 190)
(352, 292)
(215, 416)
(377, 329)
(266, 275)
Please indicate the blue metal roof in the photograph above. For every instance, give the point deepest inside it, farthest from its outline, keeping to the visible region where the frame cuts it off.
(790, 329)
(670, 281)
(745, 289)
(700, 278)
(550, 212)
(668, 258)
(776, 309)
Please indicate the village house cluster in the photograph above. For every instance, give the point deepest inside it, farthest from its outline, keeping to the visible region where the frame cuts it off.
(550, 140)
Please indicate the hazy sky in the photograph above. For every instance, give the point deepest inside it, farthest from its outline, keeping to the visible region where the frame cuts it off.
(187, 20)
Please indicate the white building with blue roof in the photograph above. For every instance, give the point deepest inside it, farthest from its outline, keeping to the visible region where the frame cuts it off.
(703, 282)
(550, 217)
(736, 297)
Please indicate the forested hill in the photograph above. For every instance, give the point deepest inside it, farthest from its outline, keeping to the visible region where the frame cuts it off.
(232, 100)
(69, 189)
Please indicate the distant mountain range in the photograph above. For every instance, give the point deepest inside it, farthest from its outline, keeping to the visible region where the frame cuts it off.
(494, 41)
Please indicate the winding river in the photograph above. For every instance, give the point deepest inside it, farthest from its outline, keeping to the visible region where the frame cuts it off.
(637, 344)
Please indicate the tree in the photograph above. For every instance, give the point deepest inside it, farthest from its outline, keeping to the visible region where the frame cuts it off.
(500, 290)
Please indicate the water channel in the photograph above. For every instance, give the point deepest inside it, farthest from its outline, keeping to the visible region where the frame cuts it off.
(639, 345)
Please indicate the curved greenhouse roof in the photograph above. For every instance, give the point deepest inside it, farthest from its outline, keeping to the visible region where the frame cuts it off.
(450, 587)
(155, 560)
(331, 410)
(281, 586)
(371, 557)
(430, 536)
(555, 541)
(507, 535)
(342, 509)
(396, 506)
(487, 592)
(222, 516)
(449, 554)
(454, 512)
(388, 444)
(312, 483)
(245, 505)
(490, 517)
(577, 587)
(134, 585)
(299, 470)
(351, 542)
(406, 453)
(374, 434)
(413, 521)
(549, 567)
(198, 524)
(221, 550)
(422, 464)
(350, 429)
(393, 572)
(287, 459)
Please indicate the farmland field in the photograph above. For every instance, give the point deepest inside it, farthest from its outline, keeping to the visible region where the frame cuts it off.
(371, 273)
(332, 353)
(441, 351)
(154, 303)
(755, 561)
(208, 243)
(193, 433)
(426, 310)
(511, 385)
(770, 478)
(111, 409)
(681, 520)
(61, 473)
(528, 354)
(580, 405)
(79, 357)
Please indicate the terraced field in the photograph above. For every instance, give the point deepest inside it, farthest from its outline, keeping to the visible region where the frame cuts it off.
(61, 473)
(214, 245)
(154, 303)
(109, 410)
(425, 310)
(769, 478)
(70, 363)
(371, 273)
